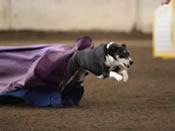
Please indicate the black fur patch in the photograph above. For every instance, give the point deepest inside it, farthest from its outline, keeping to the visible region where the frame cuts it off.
(114, 50)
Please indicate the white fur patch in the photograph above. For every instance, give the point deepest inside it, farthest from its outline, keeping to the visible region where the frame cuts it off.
(100, 77)
(111, 62)
(130, 59)
(108, 45)
(115, 75)
(125, 75)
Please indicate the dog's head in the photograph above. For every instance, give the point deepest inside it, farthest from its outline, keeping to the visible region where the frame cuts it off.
(117, 55)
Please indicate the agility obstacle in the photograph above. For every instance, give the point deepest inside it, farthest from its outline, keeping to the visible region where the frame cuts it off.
(164, 31)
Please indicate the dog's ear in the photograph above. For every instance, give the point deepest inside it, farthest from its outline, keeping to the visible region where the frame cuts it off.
(124, 45)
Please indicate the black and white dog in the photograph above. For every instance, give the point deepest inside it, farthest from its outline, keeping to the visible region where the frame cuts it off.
(105, 61)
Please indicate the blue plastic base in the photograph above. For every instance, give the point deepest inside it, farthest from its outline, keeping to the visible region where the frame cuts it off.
(47, 96)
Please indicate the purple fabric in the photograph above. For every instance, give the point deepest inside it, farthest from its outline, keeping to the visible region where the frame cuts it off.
(36, 65)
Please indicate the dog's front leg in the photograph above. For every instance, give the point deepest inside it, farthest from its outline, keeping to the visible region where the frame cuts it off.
(71, 71)
(115, 75)
(125, 75)
(105, 71)
(104, 75)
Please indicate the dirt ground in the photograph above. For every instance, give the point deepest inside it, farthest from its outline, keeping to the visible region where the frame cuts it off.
(145, 102)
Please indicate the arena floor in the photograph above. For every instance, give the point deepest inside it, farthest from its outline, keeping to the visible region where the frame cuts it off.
(145, 102)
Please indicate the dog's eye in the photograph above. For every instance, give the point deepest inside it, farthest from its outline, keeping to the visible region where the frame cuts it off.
(122, 56)
(126, 53)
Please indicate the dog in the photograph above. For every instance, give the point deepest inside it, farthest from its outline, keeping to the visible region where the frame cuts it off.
(108, 60)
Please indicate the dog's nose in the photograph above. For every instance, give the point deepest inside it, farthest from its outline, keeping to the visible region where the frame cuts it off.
(131, 62)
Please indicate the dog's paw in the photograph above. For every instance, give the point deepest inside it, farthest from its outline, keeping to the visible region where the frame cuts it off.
(100, 77)
(119, 78)
(125, 78)
(125, 75)
(116, 76)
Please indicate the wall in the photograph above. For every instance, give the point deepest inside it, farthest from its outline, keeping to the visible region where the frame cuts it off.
(4, 14)
(145, 9)
(77, 15)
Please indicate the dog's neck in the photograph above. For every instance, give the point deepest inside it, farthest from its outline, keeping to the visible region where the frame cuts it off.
(110, 61)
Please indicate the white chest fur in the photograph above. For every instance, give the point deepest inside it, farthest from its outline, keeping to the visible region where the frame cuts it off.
(110, 62)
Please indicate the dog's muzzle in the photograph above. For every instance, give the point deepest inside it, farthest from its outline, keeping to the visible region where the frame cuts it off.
(129, 64)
